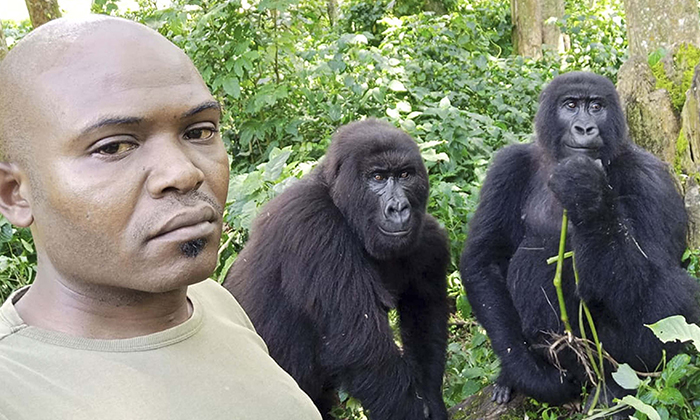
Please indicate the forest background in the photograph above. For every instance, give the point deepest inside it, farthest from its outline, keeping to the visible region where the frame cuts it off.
(448, 72)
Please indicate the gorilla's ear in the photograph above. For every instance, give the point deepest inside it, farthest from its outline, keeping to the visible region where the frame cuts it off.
(14, 194)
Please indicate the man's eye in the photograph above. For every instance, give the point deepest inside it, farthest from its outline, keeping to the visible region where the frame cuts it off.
(115, 148)
(200, 133)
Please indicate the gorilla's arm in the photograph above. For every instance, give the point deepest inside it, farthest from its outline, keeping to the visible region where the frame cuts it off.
(423, 312)
(628, 238)
(495, 232)
(326, 274)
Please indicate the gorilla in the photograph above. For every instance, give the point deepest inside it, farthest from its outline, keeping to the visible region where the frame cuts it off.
(329, 257)
(627, 228)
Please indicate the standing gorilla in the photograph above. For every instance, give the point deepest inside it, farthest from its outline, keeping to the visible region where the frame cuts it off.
(331, 255)
(627, 231)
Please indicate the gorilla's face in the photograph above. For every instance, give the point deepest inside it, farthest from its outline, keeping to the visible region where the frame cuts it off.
(395, 207)
(582, 116)
(380, 184)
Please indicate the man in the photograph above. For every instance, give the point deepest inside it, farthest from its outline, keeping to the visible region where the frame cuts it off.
(112, 157)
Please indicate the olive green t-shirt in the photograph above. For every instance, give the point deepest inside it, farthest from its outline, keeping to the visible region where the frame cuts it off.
(212, 366)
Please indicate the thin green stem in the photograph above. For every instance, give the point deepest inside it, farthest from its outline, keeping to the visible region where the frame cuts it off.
(558, 273)
(589, 318)
(597, 368)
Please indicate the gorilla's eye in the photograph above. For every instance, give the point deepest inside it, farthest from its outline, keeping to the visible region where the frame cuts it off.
(200, 133)
(378, 177)
(596, 106)
(404, 174)
(570, 104)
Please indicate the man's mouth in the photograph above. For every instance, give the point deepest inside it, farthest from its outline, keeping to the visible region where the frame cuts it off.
(188, 224)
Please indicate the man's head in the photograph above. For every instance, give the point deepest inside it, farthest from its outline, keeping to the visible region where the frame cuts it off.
(112, 155)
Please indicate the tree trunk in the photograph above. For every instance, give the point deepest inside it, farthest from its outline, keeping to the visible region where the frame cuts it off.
(534, 25)
(42, 11)
(653, 24)
(652, 111)
(3, 43)
(552, 10)
(435, 6)
(527, 27)
(332, 6)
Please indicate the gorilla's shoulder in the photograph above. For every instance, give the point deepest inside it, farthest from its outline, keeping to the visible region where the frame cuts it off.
(433, 232)
(632, 156)
(516, 155)
(512, 166)
(305, 206)
(434, 241)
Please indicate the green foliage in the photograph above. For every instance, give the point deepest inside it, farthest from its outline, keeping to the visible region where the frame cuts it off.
(691, 257)
(471, 364)
(675, 74)
(598, 36)
(248, 192)
(14, 31)
(17, 258)
(674, 392)
(104, 7)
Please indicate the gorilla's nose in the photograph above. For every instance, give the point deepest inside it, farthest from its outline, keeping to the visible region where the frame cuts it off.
(398, 211)
(586, 130)
(586, 135)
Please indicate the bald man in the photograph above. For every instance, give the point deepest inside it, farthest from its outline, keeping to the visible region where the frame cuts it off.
(112, 157)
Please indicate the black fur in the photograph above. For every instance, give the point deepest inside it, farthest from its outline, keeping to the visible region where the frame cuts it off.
(317, 278)
(627, 230)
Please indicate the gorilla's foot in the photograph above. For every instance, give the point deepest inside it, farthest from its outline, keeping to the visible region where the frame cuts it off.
(501, 394)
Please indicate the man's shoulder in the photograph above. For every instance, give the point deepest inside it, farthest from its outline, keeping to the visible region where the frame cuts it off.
(10, 322)
(219, 302)
(5, 329)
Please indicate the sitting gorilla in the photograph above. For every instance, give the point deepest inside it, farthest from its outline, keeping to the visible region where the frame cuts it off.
(329, 257)
(627, 230)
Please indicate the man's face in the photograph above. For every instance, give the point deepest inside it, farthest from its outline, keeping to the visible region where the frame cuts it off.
(128, 172)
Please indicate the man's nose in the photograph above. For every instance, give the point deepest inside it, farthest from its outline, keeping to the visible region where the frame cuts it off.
(171, 169)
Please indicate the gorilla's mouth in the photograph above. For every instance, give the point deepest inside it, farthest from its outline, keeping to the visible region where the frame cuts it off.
(590, 151)
(582, 149)
(397, 233)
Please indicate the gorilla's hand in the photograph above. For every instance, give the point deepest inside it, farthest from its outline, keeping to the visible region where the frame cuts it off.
(581, 186)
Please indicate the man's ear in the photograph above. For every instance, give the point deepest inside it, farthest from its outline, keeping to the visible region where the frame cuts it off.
(14, 189)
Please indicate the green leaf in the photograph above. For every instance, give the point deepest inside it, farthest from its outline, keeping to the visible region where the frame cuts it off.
(638, 405)
(335, 113)
(6, 233)
(231, 87)
(27, 246)
(431, 144)
(393, 113)
(463, 306)
(403, 106)
(413, 115)
(626, 378)
(445, 103)
(396, 86)
(656, 56)
(430, 155)
(278, 160)
(676, 328)
(671, 396)
(224, 270)
(675, 369)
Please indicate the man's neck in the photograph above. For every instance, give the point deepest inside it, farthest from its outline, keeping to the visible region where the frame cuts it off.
(99, 311)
